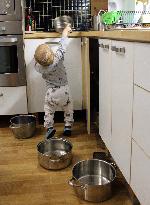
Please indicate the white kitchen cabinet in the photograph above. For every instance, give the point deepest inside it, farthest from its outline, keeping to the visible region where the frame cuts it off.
(105, 91)
(140, 180)
(141, 118)
(142, 65)
(36, 85)
(129, 142)
(13, 100)
(116, 99)
(122, 100)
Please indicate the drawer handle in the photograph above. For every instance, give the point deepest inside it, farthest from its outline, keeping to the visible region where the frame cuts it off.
(113, 48)
(101, 45)
(104, 46)
(53, 43)
(1, 94)
(120, 50)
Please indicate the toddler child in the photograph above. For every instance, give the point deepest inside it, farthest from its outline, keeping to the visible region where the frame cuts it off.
(50, 65)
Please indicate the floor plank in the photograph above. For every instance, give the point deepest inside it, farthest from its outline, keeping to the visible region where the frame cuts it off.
(24, 182)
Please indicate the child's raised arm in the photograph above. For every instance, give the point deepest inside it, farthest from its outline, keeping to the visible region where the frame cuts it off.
(66, 30)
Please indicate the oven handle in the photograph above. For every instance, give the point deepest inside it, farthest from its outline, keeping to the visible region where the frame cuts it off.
(8, 40)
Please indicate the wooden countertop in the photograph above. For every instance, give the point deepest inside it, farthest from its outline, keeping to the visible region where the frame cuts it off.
(127, 35)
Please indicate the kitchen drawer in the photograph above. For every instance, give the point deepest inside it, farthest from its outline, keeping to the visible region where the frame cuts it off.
(13, 100)
(142, 65)
(140, 180)
(141, 118)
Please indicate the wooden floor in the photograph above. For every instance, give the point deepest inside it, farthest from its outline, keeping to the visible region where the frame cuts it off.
(24, 182)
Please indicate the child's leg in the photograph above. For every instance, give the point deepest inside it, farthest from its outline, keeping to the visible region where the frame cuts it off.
(68, 112)
(49, 114)
(49, 109)
(68, 118)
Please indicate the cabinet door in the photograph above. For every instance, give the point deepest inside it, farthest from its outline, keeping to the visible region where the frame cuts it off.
(86, 80)
(36, 85)
(105, 91)
(73, 66)
(13, 100)
(140, 180)
(141, 118)
(122, 99)
(142, 65)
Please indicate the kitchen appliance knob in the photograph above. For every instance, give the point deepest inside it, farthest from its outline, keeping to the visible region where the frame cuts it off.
(3, 28)
(7, 6)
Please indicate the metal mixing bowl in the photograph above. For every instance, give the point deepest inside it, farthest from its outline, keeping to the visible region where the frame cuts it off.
(23, 126)
(61, 21)
(55, 153)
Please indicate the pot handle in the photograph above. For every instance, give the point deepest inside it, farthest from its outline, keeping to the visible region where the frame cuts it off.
(113, 164)
(72, 182)
(13, 127)
(55, 160)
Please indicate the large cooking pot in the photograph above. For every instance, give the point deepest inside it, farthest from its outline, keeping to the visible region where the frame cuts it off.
(61, 21)
(92, 180)
(55, 153)
(23, 126)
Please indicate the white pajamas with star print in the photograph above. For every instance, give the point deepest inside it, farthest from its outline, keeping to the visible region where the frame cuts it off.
(58, 97)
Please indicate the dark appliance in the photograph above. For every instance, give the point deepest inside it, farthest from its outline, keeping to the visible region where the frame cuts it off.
(10, 10)
(12, 65)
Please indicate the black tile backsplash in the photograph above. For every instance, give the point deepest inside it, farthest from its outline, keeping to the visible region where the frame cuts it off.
(45, 12)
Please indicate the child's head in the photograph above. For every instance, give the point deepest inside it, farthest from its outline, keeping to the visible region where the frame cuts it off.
(44, 55)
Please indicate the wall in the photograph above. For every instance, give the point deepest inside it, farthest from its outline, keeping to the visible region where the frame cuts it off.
(125, 5)
(99, 4)
(45, 12)
(115, 5)
(129, 5)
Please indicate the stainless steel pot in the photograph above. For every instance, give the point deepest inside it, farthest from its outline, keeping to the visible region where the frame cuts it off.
(55, 153)
(23, 126)
(92, 180)
(61, 21)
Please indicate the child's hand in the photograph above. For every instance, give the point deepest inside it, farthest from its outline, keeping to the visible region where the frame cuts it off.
(68, 27)
(66, 30)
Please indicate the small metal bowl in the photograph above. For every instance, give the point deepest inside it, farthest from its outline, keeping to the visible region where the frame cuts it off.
(23, 126)
(55, 153)
(61, 21)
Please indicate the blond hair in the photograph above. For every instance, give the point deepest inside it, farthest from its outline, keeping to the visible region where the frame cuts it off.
(44, 55)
